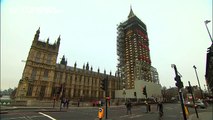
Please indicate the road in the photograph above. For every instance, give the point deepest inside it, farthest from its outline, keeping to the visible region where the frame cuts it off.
(171, 112)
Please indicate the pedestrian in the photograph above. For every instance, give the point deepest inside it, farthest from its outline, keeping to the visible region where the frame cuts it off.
(128, 107)
(78, 102)
(67, 102)
(147, 106)
(160, 109)
(64, 102)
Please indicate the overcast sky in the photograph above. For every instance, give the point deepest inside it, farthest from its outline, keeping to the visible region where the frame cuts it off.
(176, 31)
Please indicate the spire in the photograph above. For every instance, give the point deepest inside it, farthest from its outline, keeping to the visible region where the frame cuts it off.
(98, 70)
(59, 39)
(48, 39)
(91, 68)
(131, 14)
(75, 64)
(87, 66)
(83, 66)
(37, 34)
(63, 61)
(38, 31)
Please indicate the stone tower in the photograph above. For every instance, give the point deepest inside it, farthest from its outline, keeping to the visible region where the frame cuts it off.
(38, 74)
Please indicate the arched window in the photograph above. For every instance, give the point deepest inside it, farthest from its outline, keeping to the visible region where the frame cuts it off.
(46, 73)
(37, 57)
(30, 90)
(49, 57)
(33, 74)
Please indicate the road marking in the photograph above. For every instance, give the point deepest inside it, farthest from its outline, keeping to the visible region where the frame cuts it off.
(47, 116)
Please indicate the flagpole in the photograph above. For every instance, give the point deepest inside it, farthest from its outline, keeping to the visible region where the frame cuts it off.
(206, 22)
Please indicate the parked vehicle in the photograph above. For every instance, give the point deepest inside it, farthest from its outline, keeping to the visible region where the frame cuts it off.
(201, 104)
(198, 104)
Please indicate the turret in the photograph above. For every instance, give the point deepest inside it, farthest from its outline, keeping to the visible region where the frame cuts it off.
(59, 40)
(63, 61)
(87, 66)
(83, 66)
(98, 70)
(37, 35)
(48, 39)
(75, 65)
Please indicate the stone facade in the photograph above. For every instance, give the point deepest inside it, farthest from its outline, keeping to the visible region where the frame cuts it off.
(44, 79)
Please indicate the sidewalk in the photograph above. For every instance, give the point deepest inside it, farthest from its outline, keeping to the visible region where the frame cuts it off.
(202, 116)
(6, 109)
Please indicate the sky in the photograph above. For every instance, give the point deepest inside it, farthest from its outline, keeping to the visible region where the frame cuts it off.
(88, 28)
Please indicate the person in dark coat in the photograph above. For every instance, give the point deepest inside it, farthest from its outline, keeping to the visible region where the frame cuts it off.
(128, 107)
(67, 103)
(160, 108)
(78, 102)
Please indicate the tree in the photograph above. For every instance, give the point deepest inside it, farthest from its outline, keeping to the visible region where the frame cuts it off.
(163, 92)
(13, 93)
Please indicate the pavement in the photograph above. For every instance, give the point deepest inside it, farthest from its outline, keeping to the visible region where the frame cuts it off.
(5, 109)
(202, 116)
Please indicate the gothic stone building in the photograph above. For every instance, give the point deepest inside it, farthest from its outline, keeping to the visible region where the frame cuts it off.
(44, 79)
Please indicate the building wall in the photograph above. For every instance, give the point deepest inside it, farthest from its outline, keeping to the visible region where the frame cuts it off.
(209, 69)
(153, 90)
(83, 83)
(39, 69)
(42, 77)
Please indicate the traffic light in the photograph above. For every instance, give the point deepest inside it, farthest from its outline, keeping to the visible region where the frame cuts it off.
(178, 83)
(104, 84)
(144, 91)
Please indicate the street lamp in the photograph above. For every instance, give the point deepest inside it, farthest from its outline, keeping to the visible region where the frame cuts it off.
(198, 81)
(206, 22)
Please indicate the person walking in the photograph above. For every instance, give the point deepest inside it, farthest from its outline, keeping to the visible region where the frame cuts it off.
(67, 103)
(147, 106)
(128, 107)
(78, 102)
(160, 109)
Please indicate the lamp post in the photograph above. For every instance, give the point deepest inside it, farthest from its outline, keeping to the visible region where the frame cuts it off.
(198, 81)
(206, 22)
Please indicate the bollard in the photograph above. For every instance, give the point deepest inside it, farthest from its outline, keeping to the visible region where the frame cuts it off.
(100, 113)
(187, 111)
